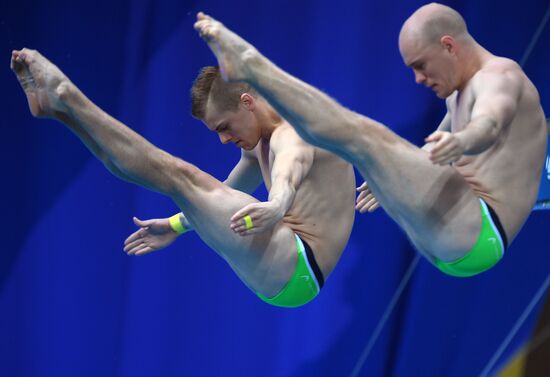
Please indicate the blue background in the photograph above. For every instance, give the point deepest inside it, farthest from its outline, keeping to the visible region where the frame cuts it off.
(73, 304)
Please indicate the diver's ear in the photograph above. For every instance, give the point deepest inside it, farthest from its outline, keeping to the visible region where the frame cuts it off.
(248, 101)
(448, 43)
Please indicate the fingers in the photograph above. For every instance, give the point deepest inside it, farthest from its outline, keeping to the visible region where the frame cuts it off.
(238, 222)
(365, 200)
(140, 250)
(434, 137)
(362, 195)
(442, 147)
(442, 143)
(140, 232)
(361, 202)
(374, 207)
(132, 237)
(370, 207)
(369, 204)
(138, 246)
(239, 225)
(249, 221)
(135, 238)
(133, 243)
(242, 212)
(445, 159)
(363, 187)
(144, 251)
(446, 149)
(248, 232)
(143, 223)
(444, 153)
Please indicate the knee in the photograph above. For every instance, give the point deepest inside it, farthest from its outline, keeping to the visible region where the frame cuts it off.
(185, 178)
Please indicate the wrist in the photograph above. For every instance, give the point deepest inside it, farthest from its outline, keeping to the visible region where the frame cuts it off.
(462, 141)
(176, 224)
(279, 206)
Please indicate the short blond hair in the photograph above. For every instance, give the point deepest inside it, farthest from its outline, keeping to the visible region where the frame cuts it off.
(209, 86)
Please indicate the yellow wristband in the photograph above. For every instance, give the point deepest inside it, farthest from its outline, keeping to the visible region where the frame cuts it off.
(176, 225)
(248, 222)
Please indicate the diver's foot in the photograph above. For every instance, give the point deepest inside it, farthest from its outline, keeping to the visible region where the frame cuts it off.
(234, 54)
(42, 82)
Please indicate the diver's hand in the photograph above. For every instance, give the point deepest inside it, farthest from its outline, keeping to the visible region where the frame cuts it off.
(264, 215)
(154, 234)
(366, 202)
(447, 149)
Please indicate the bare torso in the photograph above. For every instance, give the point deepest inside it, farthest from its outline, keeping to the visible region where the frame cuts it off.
(323, 210)
(507, 175)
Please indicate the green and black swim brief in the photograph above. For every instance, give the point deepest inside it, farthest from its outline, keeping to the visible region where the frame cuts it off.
(304, 285)
(486, 252)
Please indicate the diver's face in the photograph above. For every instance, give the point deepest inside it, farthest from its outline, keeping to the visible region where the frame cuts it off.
(432, 64)
(238, 127)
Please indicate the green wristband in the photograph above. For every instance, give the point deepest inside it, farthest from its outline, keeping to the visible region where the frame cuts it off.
(176, 225)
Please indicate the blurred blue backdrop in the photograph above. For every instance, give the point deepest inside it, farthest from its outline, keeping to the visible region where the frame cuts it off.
(73, 304)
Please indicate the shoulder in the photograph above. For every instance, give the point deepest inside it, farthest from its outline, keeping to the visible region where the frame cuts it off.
(499, 77)
(283, 130)
(285, 139)
(498, 72)
(284, 135)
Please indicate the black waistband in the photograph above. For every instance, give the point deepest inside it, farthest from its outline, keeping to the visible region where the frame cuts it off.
(498, 224)
(313, 264)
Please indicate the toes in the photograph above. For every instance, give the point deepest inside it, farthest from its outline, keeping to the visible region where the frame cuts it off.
(206, 26)
(29, 51)
(16, 64)
(28, 55)
(203, 16)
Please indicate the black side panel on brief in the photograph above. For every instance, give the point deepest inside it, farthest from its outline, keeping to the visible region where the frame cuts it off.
(313, 263)
(497, 222)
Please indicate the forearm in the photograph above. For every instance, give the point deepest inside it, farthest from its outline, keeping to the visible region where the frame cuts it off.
(120, 148)
(246, 176)
(282, 193)
(288, 173)
(480, 134)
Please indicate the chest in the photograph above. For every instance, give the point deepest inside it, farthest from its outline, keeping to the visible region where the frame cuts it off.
(460, 107)
(265, 157)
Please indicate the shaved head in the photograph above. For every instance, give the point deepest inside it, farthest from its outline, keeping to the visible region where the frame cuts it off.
(431, 22)
(434, 42)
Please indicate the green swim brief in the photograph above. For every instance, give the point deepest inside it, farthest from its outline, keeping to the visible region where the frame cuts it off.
(304, 285)
(486, 252)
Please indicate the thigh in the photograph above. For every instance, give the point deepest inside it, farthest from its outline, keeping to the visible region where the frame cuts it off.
(433, 204)
(264, 261)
